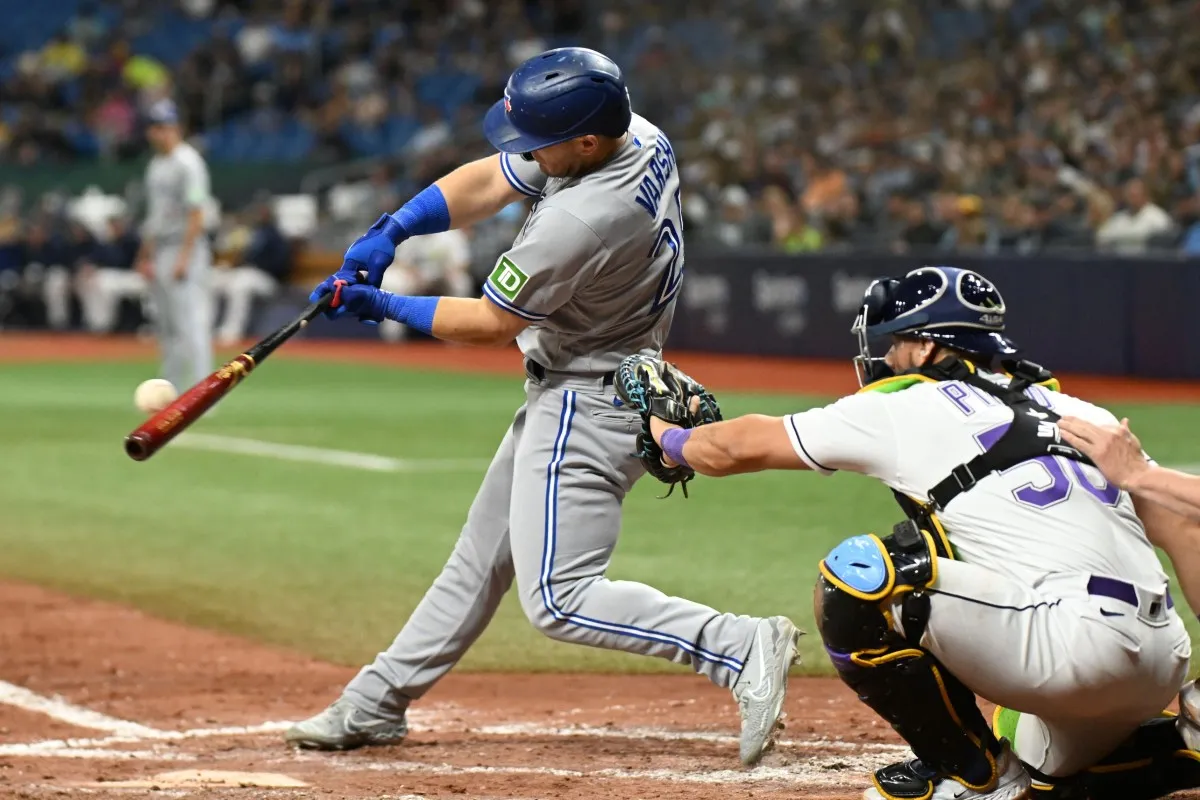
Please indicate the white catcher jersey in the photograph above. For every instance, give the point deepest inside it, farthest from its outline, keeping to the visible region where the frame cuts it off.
(1050, 515)
(599, 262)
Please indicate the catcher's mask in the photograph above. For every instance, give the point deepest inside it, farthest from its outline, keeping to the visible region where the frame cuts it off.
(954, 307)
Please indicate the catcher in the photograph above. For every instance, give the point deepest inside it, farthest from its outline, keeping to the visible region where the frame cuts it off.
(1020, 575)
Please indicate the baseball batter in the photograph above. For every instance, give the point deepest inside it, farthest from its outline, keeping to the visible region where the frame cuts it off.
(592, 276)
(175, 257)
(1021, 576)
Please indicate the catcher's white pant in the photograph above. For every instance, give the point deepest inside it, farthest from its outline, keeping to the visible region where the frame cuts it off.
(1084, 668)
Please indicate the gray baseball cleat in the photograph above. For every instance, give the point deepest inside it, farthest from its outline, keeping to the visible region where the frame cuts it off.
(762, 686)
(341, 726)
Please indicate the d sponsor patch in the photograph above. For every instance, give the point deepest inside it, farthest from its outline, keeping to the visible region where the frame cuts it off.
(507, 278)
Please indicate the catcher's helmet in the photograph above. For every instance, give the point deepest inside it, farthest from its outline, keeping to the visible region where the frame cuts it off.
(954, 307)
(558, 95)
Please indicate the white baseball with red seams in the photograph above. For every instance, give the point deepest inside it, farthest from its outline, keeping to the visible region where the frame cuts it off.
(154, 395)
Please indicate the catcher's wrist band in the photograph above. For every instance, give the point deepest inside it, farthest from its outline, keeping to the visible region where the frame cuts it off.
(415, 312)
(672, 442)
(427, 212)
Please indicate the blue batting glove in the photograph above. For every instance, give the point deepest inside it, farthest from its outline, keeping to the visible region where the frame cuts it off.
(370, 255)
(366, 302)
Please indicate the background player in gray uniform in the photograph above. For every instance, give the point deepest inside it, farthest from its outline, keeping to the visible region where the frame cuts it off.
(175, 256)
(592, 277)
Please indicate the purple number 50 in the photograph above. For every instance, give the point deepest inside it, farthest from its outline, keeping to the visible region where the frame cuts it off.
(1056, 485)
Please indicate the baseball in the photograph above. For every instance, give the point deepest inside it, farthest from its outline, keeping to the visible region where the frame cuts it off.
(154, 395)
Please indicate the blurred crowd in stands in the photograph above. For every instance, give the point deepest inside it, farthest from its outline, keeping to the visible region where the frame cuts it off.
(1011, 126)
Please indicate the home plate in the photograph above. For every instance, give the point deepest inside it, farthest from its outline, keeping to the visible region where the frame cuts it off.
(206, 777)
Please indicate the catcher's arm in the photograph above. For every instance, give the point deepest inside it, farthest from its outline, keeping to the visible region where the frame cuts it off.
(752, 443)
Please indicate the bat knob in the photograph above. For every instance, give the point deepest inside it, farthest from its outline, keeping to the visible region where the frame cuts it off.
(137, 446)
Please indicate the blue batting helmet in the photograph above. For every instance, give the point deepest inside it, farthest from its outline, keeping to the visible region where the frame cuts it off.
(558, 95)
(954, 307)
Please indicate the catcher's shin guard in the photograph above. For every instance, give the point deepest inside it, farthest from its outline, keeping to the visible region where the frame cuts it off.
(903, 683)
(1153, 762)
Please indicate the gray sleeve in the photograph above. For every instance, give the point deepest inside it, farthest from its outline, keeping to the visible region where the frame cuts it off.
(195, 182)
(557, 254)
(524, 176)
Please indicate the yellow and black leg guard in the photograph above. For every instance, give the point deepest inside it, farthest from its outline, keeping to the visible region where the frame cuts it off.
(901, 682)
(1153, 762)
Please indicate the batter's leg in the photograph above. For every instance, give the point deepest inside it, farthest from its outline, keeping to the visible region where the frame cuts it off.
(454, 612)
(572, 471)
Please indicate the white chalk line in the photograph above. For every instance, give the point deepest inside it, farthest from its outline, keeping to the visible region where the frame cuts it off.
(61, 710)
(662, 734)
(420, 721)
(55, 747)
(812, 772)
(237, 445)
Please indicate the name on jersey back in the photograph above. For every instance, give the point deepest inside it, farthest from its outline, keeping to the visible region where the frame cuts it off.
(654, 182)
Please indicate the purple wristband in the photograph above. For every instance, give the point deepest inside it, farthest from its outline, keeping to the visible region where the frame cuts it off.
(672, 442)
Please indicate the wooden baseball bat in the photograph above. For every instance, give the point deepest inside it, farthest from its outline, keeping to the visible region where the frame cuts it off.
(164, 426)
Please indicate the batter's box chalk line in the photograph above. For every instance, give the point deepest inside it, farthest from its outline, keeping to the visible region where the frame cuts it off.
(811, 770)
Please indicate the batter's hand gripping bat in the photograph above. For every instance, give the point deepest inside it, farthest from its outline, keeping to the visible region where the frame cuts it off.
(164, 426)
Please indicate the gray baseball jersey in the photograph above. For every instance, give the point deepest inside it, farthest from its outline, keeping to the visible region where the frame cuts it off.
(599, 261)
(596, 268)
(176, 183)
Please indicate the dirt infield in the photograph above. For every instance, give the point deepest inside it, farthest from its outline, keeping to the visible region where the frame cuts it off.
(96, 694)
(718, 371)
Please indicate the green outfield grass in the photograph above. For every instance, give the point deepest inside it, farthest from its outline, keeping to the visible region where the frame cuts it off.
(330, 560)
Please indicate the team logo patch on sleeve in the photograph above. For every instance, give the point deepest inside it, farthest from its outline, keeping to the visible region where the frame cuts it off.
(507, 278)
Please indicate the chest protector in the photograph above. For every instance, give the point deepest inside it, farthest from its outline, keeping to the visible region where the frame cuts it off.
(1031, 435)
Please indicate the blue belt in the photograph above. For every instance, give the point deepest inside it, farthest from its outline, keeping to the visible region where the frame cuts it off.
(1125, 592)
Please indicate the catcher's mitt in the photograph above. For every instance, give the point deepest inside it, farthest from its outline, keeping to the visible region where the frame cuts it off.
(654, 388)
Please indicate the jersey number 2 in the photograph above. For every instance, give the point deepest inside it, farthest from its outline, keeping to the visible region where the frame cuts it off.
(668, 244)
(1055, 486)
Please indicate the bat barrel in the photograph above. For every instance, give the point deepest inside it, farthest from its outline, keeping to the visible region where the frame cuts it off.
(148, 438)
(139, 445)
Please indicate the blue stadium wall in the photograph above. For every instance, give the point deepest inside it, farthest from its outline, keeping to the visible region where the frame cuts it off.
(1096, 315)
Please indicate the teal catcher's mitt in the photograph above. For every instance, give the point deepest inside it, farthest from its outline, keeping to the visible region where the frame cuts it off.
(654, 388)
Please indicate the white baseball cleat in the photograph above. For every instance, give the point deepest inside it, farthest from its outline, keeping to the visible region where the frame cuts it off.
(761, 688)
(907, 778)
(1188, 722)
(341, 726)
